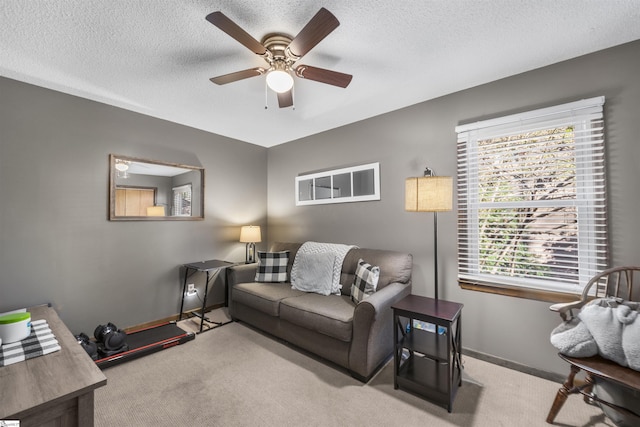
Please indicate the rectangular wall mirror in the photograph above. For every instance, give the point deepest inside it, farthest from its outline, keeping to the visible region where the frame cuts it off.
(150, 190)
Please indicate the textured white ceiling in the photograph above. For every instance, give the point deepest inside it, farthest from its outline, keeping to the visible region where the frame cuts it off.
(156, 57)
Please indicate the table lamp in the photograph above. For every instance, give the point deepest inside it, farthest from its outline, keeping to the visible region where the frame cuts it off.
(155, 211)
(250, 234)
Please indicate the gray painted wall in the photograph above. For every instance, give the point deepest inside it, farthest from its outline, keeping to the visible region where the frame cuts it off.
(56, 244)
(406, 141)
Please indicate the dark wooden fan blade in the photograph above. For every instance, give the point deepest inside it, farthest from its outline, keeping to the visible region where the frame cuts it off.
(228, 26)
(323, 76)
(320, 26)
(285, 99)
(238, 75)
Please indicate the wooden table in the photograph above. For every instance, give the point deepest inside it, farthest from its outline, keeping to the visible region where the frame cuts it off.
(54, 389)
(428, 363)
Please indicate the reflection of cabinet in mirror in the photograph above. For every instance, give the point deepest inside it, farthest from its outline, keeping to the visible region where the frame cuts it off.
(352, 184)
(134, 201)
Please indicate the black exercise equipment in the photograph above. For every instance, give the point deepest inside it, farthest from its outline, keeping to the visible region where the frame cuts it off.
(145, 341)
(89, 346)
(110, 339)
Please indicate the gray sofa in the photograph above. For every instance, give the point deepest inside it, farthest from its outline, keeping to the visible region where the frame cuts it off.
(356, 337)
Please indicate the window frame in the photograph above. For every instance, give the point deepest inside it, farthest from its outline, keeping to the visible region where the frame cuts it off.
(176, 207)
(582, 114)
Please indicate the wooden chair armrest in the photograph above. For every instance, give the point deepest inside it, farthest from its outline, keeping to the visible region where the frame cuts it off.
(565, 307)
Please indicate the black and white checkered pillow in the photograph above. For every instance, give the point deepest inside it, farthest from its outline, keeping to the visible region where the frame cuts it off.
(272, 266)
(365, 282)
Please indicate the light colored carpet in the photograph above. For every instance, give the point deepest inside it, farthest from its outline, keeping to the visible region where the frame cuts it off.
(213, 318)
(236, 376)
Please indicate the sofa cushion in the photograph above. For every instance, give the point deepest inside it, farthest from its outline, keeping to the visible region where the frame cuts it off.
(272, 266)
(331, 315)
(264, 297)
(365, 282)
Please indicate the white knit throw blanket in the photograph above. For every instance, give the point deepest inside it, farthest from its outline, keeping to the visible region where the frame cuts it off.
(340, 252)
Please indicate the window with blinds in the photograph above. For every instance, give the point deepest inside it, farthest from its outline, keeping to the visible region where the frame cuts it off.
(531, 199)
(182, 200)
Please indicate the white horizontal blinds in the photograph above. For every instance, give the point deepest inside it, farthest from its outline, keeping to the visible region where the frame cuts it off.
(531, 198)
(182, 200)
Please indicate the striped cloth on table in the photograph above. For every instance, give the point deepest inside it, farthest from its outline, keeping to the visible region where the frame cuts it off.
(41, 341)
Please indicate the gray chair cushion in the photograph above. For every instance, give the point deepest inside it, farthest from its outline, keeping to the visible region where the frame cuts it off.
(331, 315)
(264, 297)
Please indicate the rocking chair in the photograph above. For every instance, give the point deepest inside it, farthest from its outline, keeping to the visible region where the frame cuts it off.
(614, 282)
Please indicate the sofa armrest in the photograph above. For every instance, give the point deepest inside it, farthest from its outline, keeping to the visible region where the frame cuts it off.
(372, 340)
(242, 273)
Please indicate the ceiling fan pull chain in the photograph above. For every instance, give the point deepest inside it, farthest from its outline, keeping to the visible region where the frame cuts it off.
(266, 96)
(293, 97)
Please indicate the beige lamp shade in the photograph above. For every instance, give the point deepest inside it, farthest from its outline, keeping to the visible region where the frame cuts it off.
(429, 194)
(250, 234)
(155, 211)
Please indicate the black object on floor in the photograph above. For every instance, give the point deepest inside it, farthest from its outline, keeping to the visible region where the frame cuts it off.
(146, 341)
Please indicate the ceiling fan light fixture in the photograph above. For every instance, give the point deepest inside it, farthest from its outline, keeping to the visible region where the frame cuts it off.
(279, 81)
(121, 166)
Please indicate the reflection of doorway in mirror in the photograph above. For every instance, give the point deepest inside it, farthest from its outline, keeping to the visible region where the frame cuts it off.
(363, 182)
(342, 185)
(305, 190)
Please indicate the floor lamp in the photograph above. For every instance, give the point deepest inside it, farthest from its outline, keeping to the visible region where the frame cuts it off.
(430, 193)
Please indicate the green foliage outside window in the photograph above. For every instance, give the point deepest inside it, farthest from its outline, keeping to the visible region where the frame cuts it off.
(524, 227)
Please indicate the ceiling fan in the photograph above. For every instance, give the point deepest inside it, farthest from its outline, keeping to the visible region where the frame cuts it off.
(281, 52)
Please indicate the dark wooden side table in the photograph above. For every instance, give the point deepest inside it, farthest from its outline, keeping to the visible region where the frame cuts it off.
(212, 268)
(428, 363)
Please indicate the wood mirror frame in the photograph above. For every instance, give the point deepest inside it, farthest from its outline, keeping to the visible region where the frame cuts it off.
(150, 190)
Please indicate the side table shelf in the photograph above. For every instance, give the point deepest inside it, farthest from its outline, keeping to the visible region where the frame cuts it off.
(428, 363)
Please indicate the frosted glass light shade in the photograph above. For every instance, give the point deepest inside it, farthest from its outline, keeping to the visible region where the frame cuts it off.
(250, 234)
(279, 81)
(429, 194)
